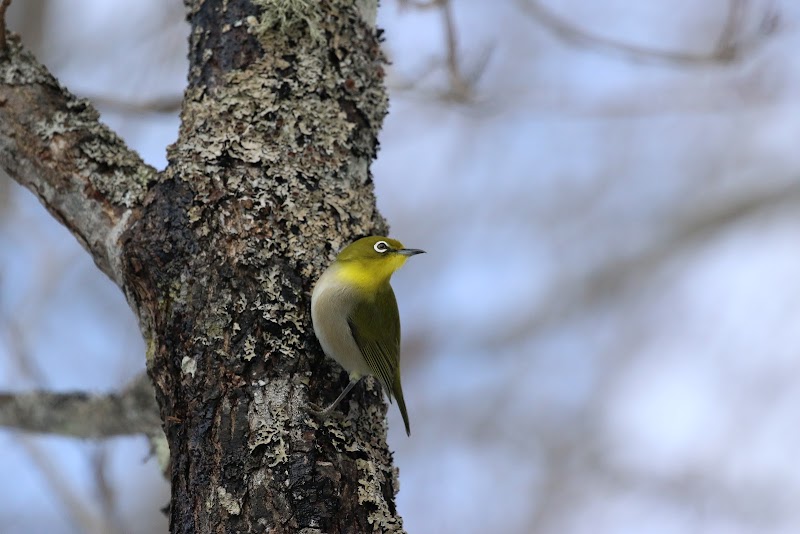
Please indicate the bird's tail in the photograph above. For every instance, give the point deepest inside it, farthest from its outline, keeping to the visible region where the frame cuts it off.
(397, 391)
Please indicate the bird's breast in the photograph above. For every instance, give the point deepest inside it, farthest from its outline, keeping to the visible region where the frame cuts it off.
(331, 303)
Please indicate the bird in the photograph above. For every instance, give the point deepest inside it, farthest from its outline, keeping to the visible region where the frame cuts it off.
(355, 316)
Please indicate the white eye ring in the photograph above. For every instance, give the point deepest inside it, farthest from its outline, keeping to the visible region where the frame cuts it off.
(381, 247)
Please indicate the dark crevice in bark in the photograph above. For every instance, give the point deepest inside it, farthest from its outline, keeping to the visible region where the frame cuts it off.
(224, 44)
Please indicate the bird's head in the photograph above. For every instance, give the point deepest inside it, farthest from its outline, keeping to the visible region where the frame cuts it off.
(370, 261)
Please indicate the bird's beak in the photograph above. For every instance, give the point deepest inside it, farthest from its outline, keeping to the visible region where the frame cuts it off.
(410, 251)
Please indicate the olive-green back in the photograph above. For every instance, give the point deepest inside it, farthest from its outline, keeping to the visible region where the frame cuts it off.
(375, 325)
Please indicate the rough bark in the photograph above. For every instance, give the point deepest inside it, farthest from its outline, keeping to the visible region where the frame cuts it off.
(217, 255)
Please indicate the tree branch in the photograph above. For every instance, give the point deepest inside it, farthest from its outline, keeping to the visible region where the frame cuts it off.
(726, 50)
(133, 411)
(53, 143)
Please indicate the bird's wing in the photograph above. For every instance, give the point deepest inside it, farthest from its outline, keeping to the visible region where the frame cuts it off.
(378, 337)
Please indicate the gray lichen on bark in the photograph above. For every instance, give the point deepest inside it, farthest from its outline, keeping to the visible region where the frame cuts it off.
(267, 180)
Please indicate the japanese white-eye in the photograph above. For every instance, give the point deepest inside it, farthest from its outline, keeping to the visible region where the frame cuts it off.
(355, 315)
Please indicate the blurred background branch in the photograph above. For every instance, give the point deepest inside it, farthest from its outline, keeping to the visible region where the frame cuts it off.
(132, 411)
(729, 47)
(621, 276)
(460, 87)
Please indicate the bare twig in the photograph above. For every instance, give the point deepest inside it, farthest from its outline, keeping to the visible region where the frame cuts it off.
(620, 277)
(20, 354)
(417, 4)
(461, 91)
(725, 51)
(3, 47)
(105, 491)
(727, 46)
(461, 85)
(133, 411)
(78, 513)
(165, 104)
(770, 22)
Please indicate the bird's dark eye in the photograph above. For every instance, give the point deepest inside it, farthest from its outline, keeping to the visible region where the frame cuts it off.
(381, 246)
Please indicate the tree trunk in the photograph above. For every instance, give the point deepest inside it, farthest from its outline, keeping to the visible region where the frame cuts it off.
(217, 255)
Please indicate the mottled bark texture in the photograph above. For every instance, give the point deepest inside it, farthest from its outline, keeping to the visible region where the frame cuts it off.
(268, 179)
